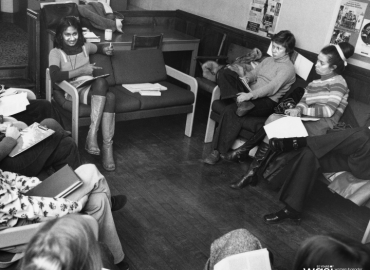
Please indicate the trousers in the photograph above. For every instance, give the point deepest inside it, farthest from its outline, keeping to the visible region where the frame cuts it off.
(347, 150)
(99, 207)
(55, 151)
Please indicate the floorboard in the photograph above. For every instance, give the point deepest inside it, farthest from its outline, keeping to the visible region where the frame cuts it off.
(177, 205)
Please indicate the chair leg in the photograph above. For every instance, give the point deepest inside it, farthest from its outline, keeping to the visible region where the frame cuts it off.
(211, 124)
(189, 123)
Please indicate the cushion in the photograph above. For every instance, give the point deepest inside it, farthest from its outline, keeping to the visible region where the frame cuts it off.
(173, 96)
(139, 66)
(103, 61)
(125, 100)
(360, 111)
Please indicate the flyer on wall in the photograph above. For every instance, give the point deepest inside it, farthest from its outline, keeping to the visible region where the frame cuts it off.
(352, 25)
(263, 17)
(363, 42)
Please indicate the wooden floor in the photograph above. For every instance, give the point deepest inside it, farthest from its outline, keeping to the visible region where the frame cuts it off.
(178, 205)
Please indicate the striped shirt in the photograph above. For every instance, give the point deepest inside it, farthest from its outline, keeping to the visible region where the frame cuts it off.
(325, 97)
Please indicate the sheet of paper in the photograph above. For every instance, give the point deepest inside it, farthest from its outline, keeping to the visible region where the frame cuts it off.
(137, 87)
(302, 65)
(286, 127)
(256, 259)
(13, 104)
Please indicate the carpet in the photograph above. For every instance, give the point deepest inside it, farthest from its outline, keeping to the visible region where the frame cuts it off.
(13, 45)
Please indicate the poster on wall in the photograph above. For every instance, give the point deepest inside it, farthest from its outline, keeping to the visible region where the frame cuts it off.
(353, 25)
(263, 17)
(363, 42)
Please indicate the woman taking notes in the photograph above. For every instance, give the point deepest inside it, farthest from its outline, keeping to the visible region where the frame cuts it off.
(69, 60)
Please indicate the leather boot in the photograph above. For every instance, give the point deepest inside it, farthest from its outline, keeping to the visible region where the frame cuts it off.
(248, 178)
(97, 106)
(108, 126)
(287, 144)
(241, 153)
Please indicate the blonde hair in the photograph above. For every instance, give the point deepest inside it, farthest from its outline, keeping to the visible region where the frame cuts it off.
(66, 243)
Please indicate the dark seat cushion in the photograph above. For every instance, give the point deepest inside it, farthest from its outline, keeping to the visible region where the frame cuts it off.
(125, 100)
(138, 66)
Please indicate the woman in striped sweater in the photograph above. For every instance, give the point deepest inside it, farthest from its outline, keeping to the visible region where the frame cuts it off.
(325, 98)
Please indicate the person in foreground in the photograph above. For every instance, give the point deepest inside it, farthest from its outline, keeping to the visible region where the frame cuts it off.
(269, 81)
(333, 249)
(17, 209)
(307, 157)
(55, 151)
(325, 99)
(65, 243)
(69, 60)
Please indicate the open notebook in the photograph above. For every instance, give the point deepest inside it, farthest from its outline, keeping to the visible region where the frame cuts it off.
(30, 136)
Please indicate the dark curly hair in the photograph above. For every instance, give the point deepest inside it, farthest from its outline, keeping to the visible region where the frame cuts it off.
(62, 26)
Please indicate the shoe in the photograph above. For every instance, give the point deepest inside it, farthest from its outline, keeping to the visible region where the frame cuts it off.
(243, 108)
(250, 177)
(283, 215)
(287, 144)
(212, 158)
(108, 126)
(97, 106)
(118, 202)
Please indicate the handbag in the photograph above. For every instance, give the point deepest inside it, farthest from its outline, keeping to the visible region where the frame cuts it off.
(288, 103)
(52, 14)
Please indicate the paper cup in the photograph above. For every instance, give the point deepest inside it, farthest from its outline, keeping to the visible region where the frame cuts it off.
(108, 34)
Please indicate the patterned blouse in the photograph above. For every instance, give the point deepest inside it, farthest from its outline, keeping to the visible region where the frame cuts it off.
(14, 205)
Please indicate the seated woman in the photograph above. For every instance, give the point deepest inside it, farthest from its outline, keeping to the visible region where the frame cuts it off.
(69, 60)
(55, 151)
(307, 157)
(325, 98)
(332, 249)
(269, 81)
(18, 209)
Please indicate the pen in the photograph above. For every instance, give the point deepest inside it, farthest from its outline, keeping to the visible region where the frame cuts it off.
(110, 44)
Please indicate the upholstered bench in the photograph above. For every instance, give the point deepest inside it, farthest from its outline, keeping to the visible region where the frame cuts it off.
(129, 67)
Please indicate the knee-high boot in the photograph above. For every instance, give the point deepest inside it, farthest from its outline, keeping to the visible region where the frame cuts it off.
(108, 126)
(97, 106)
(248, 178)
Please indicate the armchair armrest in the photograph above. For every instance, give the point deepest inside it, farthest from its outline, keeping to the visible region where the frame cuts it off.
(72, 91)
(15, 236)
(192, 82)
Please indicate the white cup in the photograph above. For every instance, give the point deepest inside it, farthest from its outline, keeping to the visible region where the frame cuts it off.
(108, 34)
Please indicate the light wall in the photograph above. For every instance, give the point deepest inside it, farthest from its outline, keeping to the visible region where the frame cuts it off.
(311, 21)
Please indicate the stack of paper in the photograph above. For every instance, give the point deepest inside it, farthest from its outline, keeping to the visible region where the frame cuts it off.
(13, 104)
(145, 89)
(91, 37)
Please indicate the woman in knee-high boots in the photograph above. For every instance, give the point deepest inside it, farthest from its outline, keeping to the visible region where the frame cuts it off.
(69, 60)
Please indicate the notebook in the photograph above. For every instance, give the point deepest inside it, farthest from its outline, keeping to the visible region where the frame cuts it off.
(58, 185)
(86, 81)
(30, 136)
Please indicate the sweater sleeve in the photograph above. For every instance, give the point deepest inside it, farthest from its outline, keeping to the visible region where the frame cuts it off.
(282, 77)
(56, 74)
(6, 146)
(13, 204)
(311, 105)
